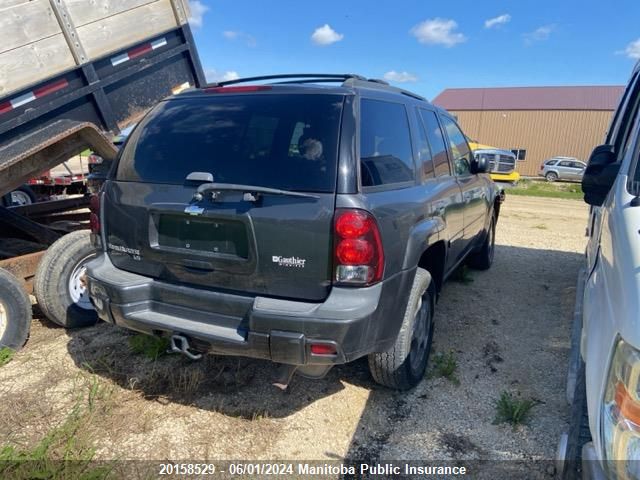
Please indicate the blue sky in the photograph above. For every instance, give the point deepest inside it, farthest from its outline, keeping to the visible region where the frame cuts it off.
(424, 46)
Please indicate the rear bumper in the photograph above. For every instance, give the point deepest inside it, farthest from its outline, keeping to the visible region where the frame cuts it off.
(357, 321)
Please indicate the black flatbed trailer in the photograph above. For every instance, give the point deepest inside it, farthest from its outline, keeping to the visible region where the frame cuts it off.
(77, 100)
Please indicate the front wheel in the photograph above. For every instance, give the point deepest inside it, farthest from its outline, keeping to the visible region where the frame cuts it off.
(403, 366)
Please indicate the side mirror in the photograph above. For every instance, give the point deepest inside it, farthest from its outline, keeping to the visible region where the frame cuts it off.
(600, 175)
(479, 164)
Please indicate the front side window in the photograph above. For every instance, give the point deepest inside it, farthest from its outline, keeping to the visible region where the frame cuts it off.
(437, 143)
(386, 156)
(279, 141)
(459, 147)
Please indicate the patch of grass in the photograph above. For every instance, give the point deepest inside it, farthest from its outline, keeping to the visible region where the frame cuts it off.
(149, 346)
(186, 381)
(514, 411)
(445, 365)
(66, 451)
(572, 191)
(541, 226)
(6, 355)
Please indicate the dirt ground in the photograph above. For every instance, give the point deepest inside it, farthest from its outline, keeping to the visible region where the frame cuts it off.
(507, 329)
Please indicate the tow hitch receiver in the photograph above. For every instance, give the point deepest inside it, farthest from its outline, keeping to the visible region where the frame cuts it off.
(283, 376)
(180, 344)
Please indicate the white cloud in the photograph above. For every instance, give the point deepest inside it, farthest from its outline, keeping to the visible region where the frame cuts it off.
(400, 77)
(214, 76)
(497, 21)
(539, 34)
(632, 50)
(438, 31)
(198, 9)
(235, 35)
(326, 35)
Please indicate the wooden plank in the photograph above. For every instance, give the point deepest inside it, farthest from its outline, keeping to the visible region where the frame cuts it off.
(83, 12)
(113, 33)
(26, 23)
(34, 62)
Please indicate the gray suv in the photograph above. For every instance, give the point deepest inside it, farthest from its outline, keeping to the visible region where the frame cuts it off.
(562, 168)
(299, 221)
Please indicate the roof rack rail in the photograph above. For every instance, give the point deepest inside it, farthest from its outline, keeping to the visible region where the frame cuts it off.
(310, 77)
(378, 80)
(381, 84)
(347, 79)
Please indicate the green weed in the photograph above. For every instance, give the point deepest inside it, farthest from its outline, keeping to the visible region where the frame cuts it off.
(513, 410)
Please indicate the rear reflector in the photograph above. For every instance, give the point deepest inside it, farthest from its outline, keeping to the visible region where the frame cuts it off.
(243, 89)
(323, 349)
(94, 217)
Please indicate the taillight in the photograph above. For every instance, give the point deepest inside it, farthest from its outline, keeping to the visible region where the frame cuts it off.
(94, 216)
(94, 159)
(358, 254)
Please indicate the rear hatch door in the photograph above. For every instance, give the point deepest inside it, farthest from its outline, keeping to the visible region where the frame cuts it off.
(265, 224)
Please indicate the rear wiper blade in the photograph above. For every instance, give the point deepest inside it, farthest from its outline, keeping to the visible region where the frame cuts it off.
(247, 189)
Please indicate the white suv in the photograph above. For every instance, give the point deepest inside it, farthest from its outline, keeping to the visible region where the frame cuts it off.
(609, 340)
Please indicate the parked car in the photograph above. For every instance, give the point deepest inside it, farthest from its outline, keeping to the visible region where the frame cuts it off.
(562, 168)
(609, 340)
(502, 163)
(302, 223)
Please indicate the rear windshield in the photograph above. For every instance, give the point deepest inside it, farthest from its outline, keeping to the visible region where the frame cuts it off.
(269, 140)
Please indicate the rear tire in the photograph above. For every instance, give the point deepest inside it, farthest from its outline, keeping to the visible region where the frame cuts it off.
(551, 176)
(61, 295)
(483, 259)
(402, 367)
(15, 312)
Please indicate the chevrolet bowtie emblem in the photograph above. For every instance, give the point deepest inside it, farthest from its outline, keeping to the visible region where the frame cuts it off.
(194, 210)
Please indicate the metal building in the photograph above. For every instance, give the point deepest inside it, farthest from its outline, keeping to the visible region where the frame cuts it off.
(535, 122)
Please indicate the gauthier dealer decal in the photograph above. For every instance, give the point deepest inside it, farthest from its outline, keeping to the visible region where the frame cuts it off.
(288, 261)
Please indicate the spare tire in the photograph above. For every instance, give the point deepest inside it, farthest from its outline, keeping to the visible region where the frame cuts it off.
(15, 312)
(59, 287)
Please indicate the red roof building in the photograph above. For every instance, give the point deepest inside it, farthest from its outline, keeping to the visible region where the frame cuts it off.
(537, 122)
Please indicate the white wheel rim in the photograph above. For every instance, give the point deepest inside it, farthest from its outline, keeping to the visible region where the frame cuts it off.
(77, 288)
(18, 197)
(4, 320)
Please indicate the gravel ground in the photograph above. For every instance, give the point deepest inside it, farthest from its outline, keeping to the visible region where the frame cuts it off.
(508, 329)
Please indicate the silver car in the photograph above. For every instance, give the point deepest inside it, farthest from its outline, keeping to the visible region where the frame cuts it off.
(562, 168)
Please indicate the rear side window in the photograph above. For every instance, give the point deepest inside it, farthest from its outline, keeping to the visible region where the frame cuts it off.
(551, 163)
(385, 144)
(437, 143)
(270, 140)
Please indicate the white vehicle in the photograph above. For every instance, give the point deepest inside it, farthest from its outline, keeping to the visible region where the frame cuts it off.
(609, 341)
